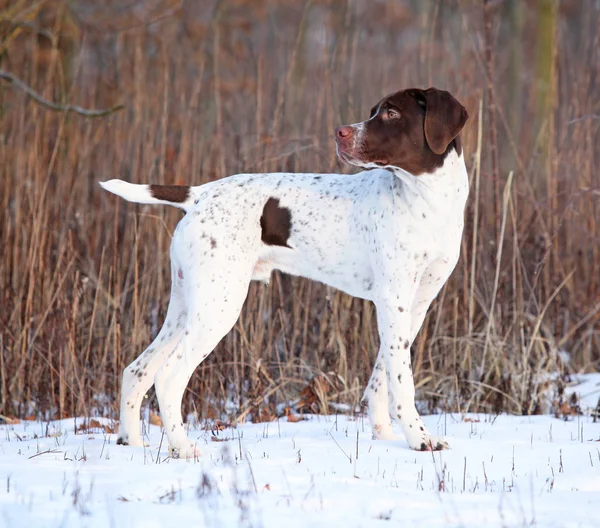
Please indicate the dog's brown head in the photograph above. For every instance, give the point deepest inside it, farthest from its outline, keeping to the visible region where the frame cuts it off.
(412, 129)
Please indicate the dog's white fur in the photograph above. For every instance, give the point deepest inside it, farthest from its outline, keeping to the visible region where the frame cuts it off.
(382, 235)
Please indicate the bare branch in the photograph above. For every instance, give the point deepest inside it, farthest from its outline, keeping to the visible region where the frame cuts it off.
(15, 81)
(583, 118)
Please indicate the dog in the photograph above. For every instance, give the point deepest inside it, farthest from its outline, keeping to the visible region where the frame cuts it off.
(390, 234)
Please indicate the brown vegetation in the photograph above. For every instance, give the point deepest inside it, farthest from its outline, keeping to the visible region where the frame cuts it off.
(240, 86)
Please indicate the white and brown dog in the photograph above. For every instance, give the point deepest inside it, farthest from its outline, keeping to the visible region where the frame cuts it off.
(391, 235)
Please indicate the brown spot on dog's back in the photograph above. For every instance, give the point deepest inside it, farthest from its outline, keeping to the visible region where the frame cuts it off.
(275, 223)
(170, 193)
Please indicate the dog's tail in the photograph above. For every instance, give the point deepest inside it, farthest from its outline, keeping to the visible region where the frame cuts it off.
(176, 195)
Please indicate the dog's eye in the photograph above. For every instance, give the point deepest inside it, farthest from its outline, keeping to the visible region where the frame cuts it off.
(392, 113)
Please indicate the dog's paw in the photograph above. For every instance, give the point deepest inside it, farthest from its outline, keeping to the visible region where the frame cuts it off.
(381, 432)
(189, 451)
(432, 443)
(127, 440)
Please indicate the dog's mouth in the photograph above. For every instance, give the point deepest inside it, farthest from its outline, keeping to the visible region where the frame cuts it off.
(346, 157)
(350, 159)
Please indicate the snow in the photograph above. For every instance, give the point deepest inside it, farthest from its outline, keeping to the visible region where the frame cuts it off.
(587, 388)
(501, 471)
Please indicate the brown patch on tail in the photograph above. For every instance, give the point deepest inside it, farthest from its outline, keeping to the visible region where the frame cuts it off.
(170, 193)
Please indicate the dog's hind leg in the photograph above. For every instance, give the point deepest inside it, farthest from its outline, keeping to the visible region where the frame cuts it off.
(376, 399)
(215, 298)
(138, 377)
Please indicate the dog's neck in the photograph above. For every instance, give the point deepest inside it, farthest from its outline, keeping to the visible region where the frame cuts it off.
(443, 191)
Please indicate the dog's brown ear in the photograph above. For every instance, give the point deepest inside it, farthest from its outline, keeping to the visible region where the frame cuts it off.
(444, 119)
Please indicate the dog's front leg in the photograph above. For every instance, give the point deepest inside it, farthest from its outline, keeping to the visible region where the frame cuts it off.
(395, 336)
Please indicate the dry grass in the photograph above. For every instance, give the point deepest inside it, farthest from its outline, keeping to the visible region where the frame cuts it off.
(210, 92)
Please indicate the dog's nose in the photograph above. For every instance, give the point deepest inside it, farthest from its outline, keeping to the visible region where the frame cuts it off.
(344, 131)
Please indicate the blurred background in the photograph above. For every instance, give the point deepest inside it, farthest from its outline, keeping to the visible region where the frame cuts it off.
(211, 88)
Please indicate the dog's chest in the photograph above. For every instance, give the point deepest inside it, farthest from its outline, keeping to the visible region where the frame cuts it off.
(422, 227)
(446, 236)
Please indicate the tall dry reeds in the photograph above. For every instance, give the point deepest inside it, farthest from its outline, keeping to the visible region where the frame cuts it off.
(212, 90)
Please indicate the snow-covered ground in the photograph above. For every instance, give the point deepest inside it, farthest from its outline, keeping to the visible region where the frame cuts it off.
(501, 471)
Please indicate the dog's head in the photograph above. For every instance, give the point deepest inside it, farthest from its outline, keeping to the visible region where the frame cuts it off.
(412, 129)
